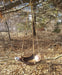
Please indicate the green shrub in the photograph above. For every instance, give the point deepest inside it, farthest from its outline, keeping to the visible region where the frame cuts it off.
(57, 30)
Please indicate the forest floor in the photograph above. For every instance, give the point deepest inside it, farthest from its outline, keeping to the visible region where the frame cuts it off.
(48, 44)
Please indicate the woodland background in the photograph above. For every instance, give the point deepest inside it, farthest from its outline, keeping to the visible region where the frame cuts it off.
(16, 36)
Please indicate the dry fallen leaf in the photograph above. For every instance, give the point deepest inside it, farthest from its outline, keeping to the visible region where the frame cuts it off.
(11, 0)
(1, 15)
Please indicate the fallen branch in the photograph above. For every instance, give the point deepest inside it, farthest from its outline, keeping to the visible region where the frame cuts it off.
(54, 58)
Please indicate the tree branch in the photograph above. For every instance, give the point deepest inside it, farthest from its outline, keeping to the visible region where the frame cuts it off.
(13, 4)
(54, 58)
(15, 10)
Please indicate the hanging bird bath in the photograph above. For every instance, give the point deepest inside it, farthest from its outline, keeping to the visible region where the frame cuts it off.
(33, 59)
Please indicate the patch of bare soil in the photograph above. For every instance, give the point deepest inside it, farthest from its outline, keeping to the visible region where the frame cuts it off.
(48, 44)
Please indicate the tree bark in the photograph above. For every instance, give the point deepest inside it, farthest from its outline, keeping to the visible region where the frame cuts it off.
(8, 30)
(34, 23)
(33, 20)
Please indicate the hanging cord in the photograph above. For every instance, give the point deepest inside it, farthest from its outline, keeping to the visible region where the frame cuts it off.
(30, 3)
(33, 46)
(37, 42)
(25, 33)
(23, 43)
(21, 2)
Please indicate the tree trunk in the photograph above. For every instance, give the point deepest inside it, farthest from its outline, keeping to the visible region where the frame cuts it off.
(8, 30)
(33, 20)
